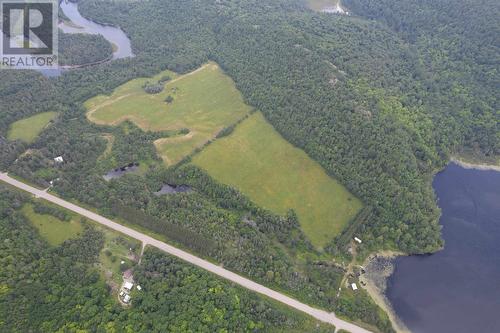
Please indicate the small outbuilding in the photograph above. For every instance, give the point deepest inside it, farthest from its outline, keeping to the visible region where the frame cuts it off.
(354, 286)
(357, 240)
(59, 159)
(126, 299)
(139, 288)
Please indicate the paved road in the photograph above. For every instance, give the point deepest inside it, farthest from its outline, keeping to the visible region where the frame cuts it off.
(224, 273)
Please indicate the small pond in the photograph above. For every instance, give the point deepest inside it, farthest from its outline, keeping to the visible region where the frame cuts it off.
(119, 172)
(172, 189)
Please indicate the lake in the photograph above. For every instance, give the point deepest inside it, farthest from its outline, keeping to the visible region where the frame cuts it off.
(457, 289)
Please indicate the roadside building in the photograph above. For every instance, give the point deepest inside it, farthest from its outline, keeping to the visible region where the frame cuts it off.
(354, 286)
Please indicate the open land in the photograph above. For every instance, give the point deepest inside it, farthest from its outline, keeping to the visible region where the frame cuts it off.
(52, 229)
(28, 129)
(205, 101)
(278, 176)
(119, 252)
(320, 5)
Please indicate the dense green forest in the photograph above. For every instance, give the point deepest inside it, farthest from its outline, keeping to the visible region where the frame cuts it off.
(58, 289)
(81, 49)
(380, 99)
(353, 93)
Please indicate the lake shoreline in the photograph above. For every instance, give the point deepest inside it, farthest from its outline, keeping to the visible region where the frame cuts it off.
(416, 288)
(476, 166)
(379, 267)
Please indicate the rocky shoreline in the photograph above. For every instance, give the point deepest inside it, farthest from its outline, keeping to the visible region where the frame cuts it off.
(378, 268)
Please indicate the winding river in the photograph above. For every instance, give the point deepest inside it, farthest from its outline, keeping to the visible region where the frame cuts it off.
(122, 47)
(79, 24)
(457, 289)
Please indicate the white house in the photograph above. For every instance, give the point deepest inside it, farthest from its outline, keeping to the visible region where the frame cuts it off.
(126, 299)
(128, 286)
(139, 288)
(59, 159)
(357, 240)
(354, 286)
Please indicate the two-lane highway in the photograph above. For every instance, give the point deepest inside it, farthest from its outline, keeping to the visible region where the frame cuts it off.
(224, 273)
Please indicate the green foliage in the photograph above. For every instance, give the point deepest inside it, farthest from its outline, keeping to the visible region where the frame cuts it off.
(379, 99)
(164, 79)
(45, 289)
(29, 128)
(359, 307)
(53, 229)
(274, 174)
(205, 100)
(82, 49)
(152, 88)
(169, 99)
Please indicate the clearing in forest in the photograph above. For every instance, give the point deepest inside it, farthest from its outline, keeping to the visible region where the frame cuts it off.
(52, 229)
(118, 254)
(278, 176)
(321, 4)
(204, 102)
(28, 129)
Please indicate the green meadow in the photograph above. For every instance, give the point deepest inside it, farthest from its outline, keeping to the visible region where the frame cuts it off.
(52, 229)
(254, 158)
(204, 101)
(319, 5)
(115, 250)
(278, 176)
(28, 129)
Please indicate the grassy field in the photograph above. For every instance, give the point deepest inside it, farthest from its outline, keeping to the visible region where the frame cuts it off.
(276, 175)
(204, 101)
(29, 128)
(319, 5)
(51, 228)
(115, 250)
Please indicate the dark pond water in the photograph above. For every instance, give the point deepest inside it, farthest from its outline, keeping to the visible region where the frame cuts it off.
(172, 189)
(119, 172)
(458, 289)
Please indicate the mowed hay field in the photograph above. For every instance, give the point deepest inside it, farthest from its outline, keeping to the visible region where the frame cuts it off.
(28, 129)
(278, 176)
(204, 101)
